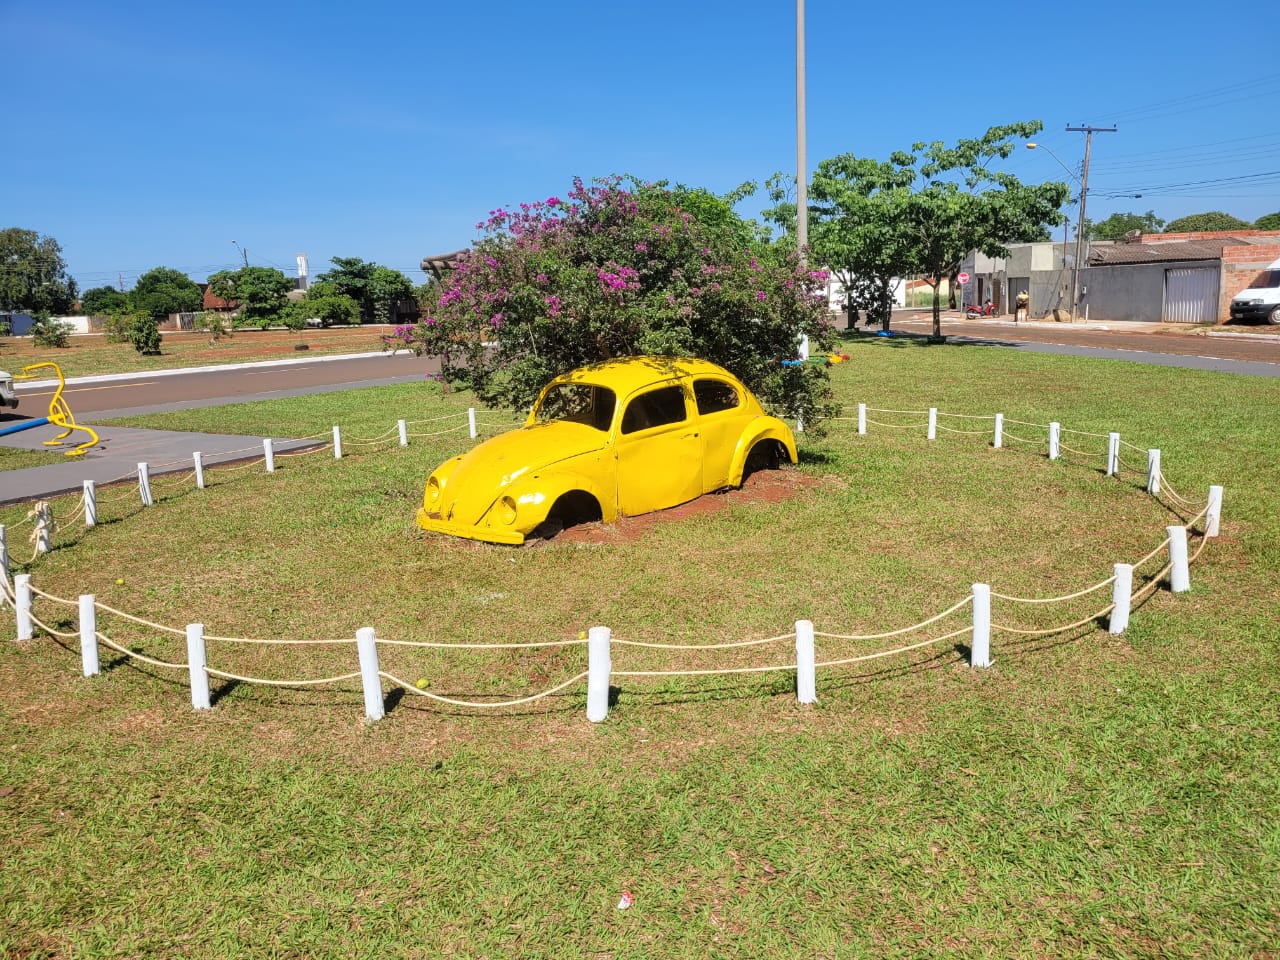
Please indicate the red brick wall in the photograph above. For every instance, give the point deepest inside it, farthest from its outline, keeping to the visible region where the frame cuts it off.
(1240, 265)
(1208, 235)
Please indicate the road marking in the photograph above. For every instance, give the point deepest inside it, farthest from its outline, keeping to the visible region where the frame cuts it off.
(66, 390)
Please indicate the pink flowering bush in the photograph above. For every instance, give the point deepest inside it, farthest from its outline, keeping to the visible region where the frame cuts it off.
(622, 268)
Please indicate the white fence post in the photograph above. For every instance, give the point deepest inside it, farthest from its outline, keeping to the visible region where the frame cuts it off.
(933, 423)
(197, 461)
(471, 421)
(1214, 515)
(1113, 454)
(44, 527)
(197, 664)
(1055, 440)
(4, 555)
(268, 451)
(90, 504)
(337, 443)
(998, 442)
(799, 424)
(404, 432)
(144, 484)
(1179, 573)
(1121, 597)
(862, 419)
(980, 648)
(1153, 472)
(599, 663)
(374, 708)
(806, 672)
(88, 635)
(22, 604)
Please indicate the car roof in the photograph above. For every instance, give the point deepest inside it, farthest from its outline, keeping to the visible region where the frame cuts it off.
(627, 374)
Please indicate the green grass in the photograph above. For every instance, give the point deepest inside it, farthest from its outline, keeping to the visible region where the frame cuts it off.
(12, 458)
(1089, 795)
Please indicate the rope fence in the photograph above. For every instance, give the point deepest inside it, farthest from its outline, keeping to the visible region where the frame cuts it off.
(20, 594)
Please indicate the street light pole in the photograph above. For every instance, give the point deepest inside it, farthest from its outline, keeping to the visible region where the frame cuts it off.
(802, 176)
(1088, 131)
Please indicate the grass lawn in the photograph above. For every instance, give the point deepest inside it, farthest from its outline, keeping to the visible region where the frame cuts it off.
(11, 458)
(90, 355)
(1088, 795)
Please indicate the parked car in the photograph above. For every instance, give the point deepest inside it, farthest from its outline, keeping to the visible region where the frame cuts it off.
(1261, 300)
(8, 396)
(619, 438)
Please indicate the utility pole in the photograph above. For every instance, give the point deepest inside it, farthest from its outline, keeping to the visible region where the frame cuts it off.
(802, 175)
(1088, 130)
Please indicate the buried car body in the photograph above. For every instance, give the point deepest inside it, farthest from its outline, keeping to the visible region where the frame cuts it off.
(618, 438)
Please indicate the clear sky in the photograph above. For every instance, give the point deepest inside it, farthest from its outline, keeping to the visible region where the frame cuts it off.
(141, 134)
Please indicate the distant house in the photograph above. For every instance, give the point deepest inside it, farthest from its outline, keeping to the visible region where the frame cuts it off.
(210, 302)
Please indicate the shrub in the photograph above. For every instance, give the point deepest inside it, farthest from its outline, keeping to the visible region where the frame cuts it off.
(46, 332)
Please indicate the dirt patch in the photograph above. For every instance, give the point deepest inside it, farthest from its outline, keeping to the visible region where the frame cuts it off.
(763, 486)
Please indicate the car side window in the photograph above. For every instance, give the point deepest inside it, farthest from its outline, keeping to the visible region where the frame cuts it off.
(714, 396)
(654, 409)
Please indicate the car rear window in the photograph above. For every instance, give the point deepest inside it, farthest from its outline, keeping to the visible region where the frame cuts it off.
(583, 403)
(714, 396)
(654, 409)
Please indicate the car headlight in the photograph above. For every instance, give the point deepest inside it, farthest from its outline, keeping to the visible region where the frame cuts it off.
(507, 510)
(433, 490)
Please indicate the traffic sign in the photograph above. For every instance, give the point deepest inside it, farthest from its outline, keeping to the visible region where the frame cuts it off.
(963, 278)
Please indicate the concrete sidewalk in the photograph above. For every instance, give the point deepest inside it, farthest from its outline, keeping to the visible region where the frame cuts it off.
(118, 454)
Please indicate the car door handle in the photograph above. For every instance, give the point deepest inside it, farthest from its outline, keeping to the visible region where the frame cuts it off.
(690, 436)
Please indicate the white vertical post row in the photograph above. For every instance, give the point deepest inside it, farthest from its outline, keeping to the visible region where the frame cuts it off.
(1121, 597)
(933, 423)
(1179, 573)
(1153, 472)
(980, 648)
(22, 604)
(4, 555)
(1113, 454)
(1214, 515)
(197, 664)
(998, 441)
(197, 461)
(144, 484)
(806, 671)
(1055, 440)
(268, 451)
(374, 709)
(799, 424)
(88, 635)
(404, 432)
(599, 663)
(471, 421)
(337, 443)
(90, 504)
(862, 419)
(44, 528)
(803, 346)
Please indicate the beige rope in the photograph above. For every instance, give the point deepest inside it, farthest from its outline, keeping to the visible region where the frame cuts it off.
(1044, 633)
(1066, 596)
(282, 643)
(1085, 433)
(893, 633)
(436, 645)
(447, 416)
(484, 705)
(889, 653)
(139, 620)
(1033, 443)
(306, 453)
(908, 412)
(897, 426)
(439, 433)
(1159, 547)
(243, 466)
(967, 416)
(970, 433)
(1079, 453)
(1024, 423)
(104, 639)
(279, 683)
(1133, 446)
(699, 673)
(49, 630)
(1151, 584)
(703, 646)
(49, 596)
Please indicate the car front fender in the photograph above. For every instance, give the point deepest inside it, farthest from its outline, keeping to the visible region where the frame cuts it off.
(536, 495)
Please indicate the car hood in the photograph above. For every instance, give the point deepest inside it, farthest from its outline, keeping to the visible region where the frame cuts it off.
(484, 473)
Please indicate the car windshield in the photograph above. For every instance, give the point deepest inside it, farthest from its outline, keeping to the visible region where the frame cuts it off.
(1268, 278)
(578, 402)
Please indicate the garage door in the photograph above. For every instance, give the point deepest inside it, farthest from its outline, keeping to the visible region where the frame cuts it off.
(1191, 295)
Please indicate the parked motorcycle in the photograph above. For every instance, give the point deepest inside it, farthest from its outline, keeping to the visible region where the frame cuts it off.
(972, 310)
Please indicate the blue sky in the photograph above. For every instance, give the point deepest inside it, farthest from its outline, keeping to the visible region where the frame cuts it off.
(143, 134)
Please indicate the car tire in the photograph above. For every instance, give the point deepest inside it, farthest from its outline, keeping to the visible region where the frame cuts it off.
(1274, 315)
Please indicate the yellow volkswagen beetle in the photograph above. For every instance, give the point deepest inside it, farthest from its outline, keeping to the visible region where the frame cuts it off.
(618, 438)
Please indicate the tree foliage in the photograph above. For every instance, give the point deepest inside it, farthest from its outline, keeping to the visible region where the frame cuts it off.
(1118, 224)
(1206, 223)
(162, 291)
(622, 268)
(376, 289)
(259, 292)
(1270, 221)
(103, 301)
(332, 308)
(33, 275)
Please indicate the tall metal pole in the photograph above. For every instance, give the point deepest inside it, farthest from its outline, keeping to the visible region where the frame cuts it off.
(802, 174)
(1088, 131)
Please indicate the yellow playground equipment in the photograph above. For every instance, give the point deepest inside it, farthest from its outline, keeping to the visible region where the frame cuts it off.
(60, 414)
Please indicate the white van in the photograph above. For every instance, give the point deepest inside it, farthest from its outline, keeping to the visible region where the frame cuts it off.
(8, 397)
(1261, 300)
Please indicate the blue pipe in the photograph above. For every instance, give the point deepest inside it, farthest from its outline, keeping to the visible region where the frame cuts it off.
(19, 427)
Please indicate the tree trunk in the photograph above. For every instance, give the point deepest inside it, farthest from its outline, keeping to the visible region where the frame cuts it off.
(849, 311)
(937, 307)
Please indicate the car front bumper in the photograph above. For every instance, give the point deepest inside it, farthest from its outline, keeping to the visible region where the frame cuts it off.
(1251, 311)
(468, 531)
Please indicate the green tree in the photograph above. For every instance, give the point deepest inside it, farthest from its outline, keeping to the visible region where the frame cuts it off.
(1118, 224)
(1269, 222)
(143, 331)
(260, 293)
(33, 275)
(375, 288)
(162, 291)
(103, 301)
(623, 268)
(332, 308)
(1209, 222)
